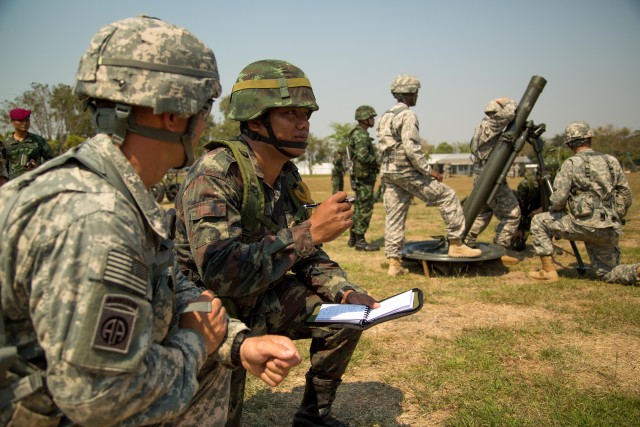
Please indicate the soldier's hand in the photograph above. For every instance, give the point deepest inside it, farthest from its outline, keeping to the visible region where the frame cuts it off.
(354, 297)
(436, 175)
(212, 326)
(30, 165)
(331, 218)
(269, 357)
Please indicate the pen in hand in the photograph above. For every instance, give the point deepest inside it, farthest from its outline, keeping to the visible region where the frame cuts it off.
(315, 205)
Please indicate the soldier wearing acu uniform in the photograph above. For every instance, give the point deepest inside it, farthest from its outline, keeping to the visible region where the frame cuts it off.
(25, 150)
(498, 114)
(591, 196)
(405, 172)
(98, 326)
(364, 170)
(243, 232)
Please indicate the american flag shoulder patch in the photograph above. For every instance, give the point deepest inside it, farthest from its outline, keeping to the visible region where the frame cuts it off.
(124, 271)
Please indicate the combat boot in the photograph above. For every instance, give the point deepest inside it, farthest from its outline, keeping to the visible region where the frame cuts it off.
(548, 272)
(363, 245)
(352, 239)
(395, 268)
(315, 409)
(509, 260)
(457, 249)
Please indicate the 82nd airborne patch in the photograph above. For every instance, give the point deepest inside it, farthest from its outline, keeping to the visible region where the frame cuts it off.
(114, 330)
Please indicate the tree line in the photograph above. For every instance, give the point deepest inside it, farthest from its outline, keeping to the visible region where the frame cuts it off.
(61, 118)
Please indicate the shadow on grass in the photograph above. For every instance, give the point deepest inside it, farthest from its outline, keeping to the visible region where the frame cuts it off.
(358, 403)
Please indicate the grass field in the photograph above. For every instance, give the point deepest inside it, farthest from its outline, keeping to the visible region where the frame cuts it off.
(489, 348)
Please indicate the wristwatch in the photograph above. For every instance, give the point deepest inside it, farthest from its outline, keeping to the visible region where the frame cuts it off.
(342, 292)
(235, 348)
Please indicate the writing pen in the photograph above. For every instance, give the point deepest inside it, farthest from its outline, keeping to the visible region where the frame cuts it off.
(315, 205)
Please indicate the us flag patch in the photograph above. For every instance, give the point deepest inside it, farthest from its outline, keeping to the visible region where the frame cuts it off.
(125, 271)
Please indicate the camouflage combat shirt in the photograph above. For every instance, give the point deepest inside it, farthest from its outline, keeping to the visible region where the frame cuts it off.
(363, 153)
(212, 249)
(78, 262)
(595, 189)
(399, 143)
(19, 153)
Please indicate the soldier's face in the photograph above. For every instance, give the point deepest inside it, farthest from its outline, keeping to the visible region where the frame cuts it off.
(291, 124)
(21, 125)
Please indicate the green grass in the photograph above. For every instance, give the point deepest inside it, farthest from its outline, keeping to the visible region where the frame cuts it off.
(489, 348)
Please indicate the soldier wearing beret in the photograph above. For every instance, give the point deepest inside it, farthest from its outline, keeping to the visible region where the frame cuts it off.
(25, 150)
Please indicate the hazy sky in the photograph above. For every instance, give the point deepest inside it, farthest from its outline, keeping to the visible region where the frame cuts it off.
(465, 52)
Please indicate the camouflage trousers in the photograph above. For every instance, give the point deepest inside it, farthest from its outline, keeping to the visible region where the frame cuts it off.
(397, 199)
(210, 405)
(330, 350)
(601, 244)
(363, 206)
(337, 183)
(506, 210)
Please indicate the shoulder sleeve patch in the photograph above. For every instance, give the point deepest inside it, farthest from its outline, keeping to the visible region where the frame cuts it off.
(124, 271)
(116, 323)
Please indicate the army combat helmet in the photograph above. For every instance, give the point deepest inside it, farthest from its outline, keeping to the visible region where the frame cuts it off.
(365, 112)
(577, 133)
(405, 83)
(267, 84)
(147, 62)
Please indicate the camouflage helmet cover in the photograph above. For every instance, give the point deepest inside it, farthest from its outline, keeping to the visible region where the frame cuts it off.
(576, 132)
(147, 62)
(267, 84)
(501, 110)
(405, 83)
(364, 112)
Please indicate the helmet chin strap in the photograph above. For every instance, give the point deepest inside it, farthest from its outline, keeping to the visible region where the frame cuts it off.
(278, 144)
(119, 120)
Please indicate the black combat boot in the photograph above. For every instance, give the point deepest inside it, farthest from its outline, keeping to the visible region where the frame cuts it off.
(315, 409)
(352, 239)
(363, 245)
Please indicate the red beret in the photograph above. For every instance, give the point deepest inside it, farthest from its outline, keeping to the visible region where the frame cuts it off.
(19, 114)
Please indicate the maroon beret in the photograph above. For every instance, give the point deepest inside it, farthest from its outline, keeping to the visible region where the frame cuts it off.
(19, 114)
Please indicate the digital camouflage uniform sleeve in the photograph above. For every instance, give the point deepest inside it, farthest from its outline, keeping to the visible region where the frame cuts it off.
(406, 123)
(562, 186)
(622, 191)
(77, 275)
(210, 205)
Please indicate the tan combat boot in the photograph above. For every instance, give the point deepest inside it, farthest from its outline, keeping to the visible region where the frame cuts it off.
(457, 249)
(548, 272)
(509, 260)
(395, 268)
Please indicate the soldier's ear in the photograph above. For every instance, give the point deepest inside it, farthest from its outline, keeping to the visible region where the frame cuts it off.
(255, 124)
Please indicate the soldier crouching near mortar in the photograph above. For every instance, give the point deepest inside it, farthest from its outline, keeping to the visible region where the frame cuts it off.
(596, 191)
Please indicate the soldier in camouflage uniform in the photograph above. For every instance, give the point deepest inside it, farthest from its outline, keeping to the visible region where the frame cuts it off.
(104, 325)
(337, 172)
(405, 172)
(498, 114)
(4, 173)
(597, 194)
(365, 169)
(243, 232)
(25, 150)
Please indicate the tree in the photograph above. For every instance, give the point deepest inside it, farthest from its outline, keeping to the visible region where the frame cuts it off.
(318, 151)
(444, 148)
(57, 114)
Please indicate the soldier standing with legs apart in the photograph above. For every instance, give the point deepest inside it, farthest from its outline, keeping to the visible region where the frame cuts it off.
(498, 114)
(365, 170)
(243, 232)
(405, 172)
(98, 326)
(591, 196)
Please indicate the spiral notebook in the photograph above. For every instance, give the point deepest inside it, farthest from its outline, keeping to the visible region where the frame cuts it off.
(363, 317)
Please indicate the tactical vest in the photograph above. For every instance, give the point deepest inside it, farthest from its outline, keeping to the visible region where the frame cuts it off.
(252, 214)
(392, 156)
(585, 201)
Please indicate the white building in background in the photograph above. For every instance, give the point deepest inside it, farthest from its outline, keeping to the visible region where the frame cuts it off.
(318, 169)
